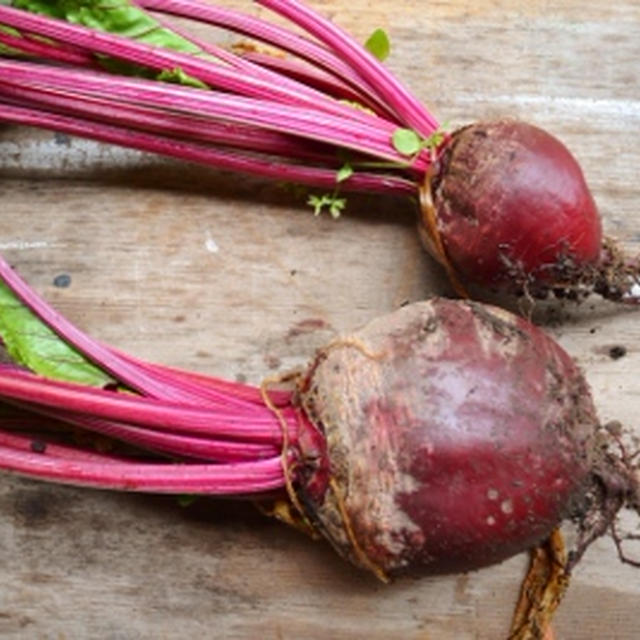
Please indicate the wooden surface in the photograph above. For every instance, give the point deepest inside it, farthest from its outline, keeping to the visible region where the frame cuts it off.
(237, 278)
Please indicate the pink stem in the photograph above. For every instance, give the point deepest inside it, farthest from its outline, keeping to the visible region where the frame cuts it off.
(210, 387)
(161, 59)
(46, 50)
(140, 410)
(151, 380)
(167, 123)
(123, 371)
(244, 478)
(314, 77)
(265, 32)
(358, 58)
(373, 137)
(260, 69)
(250, 164)
(171, 444)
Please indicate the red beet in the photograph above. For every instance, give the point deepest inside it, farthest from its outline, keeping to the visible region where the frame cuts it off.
(512, 208)
(505, 205)
(457, 435)
(442, 437)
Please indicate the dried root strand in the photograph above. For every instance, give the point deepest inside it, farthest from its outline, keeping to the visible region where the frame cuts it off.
(542, 591)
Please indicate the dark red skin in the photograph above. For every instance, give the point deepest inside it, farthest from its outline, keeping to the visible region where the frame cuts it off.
(458, 435)
(512, 207)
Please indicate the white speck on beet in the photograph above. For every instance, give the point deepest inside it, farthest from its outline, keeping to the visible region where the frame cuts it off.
(491, 521)
(493, 494)
(506, 506)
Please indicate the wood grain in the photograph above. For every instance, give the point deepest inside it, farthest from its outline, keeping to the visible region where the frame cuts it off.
(235, 277)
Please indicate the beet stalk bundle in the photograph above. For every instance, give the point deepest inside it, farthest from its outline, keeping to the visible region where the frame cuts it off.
(443, 437)
(502, 204)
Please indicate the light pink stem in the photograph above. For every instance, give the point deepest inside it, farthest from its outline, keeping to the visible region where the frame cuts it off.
(250, 164)
(170, 444)
(123, 371)
(245, 478)
(266, 32)
(373, 137)
(48, 51)
(168, 123)
(317, 78)
(160, 59)
(217, 387)
(148, 412)
(358, 58)
(151, 380)
(272, 73)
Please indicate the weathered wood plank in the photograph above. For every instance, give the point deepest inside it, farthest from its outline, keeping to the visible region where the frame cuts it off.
(234, 277)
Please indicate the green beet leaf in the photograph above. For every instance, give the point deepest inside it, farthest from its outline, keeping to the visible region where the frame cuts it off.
(122, 18)
(378, 44)
(32, 344)
(406, 141)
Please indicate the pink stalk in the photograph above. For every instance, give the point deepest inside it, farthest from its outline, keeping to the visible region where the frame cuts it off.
(23, 387)
(386, 85)
(47, 50)
(314, 77)
(373, 136)
(234, 419)
(123, 371)
(239, 392)
(161, 59)
(265, 32)
(28, 443)
(171, 444)
(254, 165)
(94, 470)
(168, 123)
(148, 379)
(210, 387)
(231, 399)
(258, 67)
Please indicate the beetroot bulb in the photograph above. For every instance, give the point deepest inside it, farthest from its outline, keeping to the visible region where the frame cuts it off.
(507, 205)
(456, 434)
(443, 437)
(503, 204)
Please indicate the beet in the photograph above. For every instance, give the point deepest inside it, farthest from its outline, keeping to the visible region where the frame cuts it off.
(512, 205)
(504, 204)
(457, 435)
(443, 437)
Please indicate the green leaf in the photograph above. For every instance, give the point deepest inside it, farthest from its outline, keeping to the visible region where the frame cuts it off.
(122, 18)
(378, 44)
(32, 344)
(178, 76)
(344, 172)
(318, 203)
(6, 49)
(337, 206)
(406, 141)
(331, 202)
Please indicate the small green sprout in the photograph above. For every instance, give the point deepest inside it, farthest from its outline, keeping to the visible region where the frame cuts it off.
(409, 143)
(378, 44)
(330, 202)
